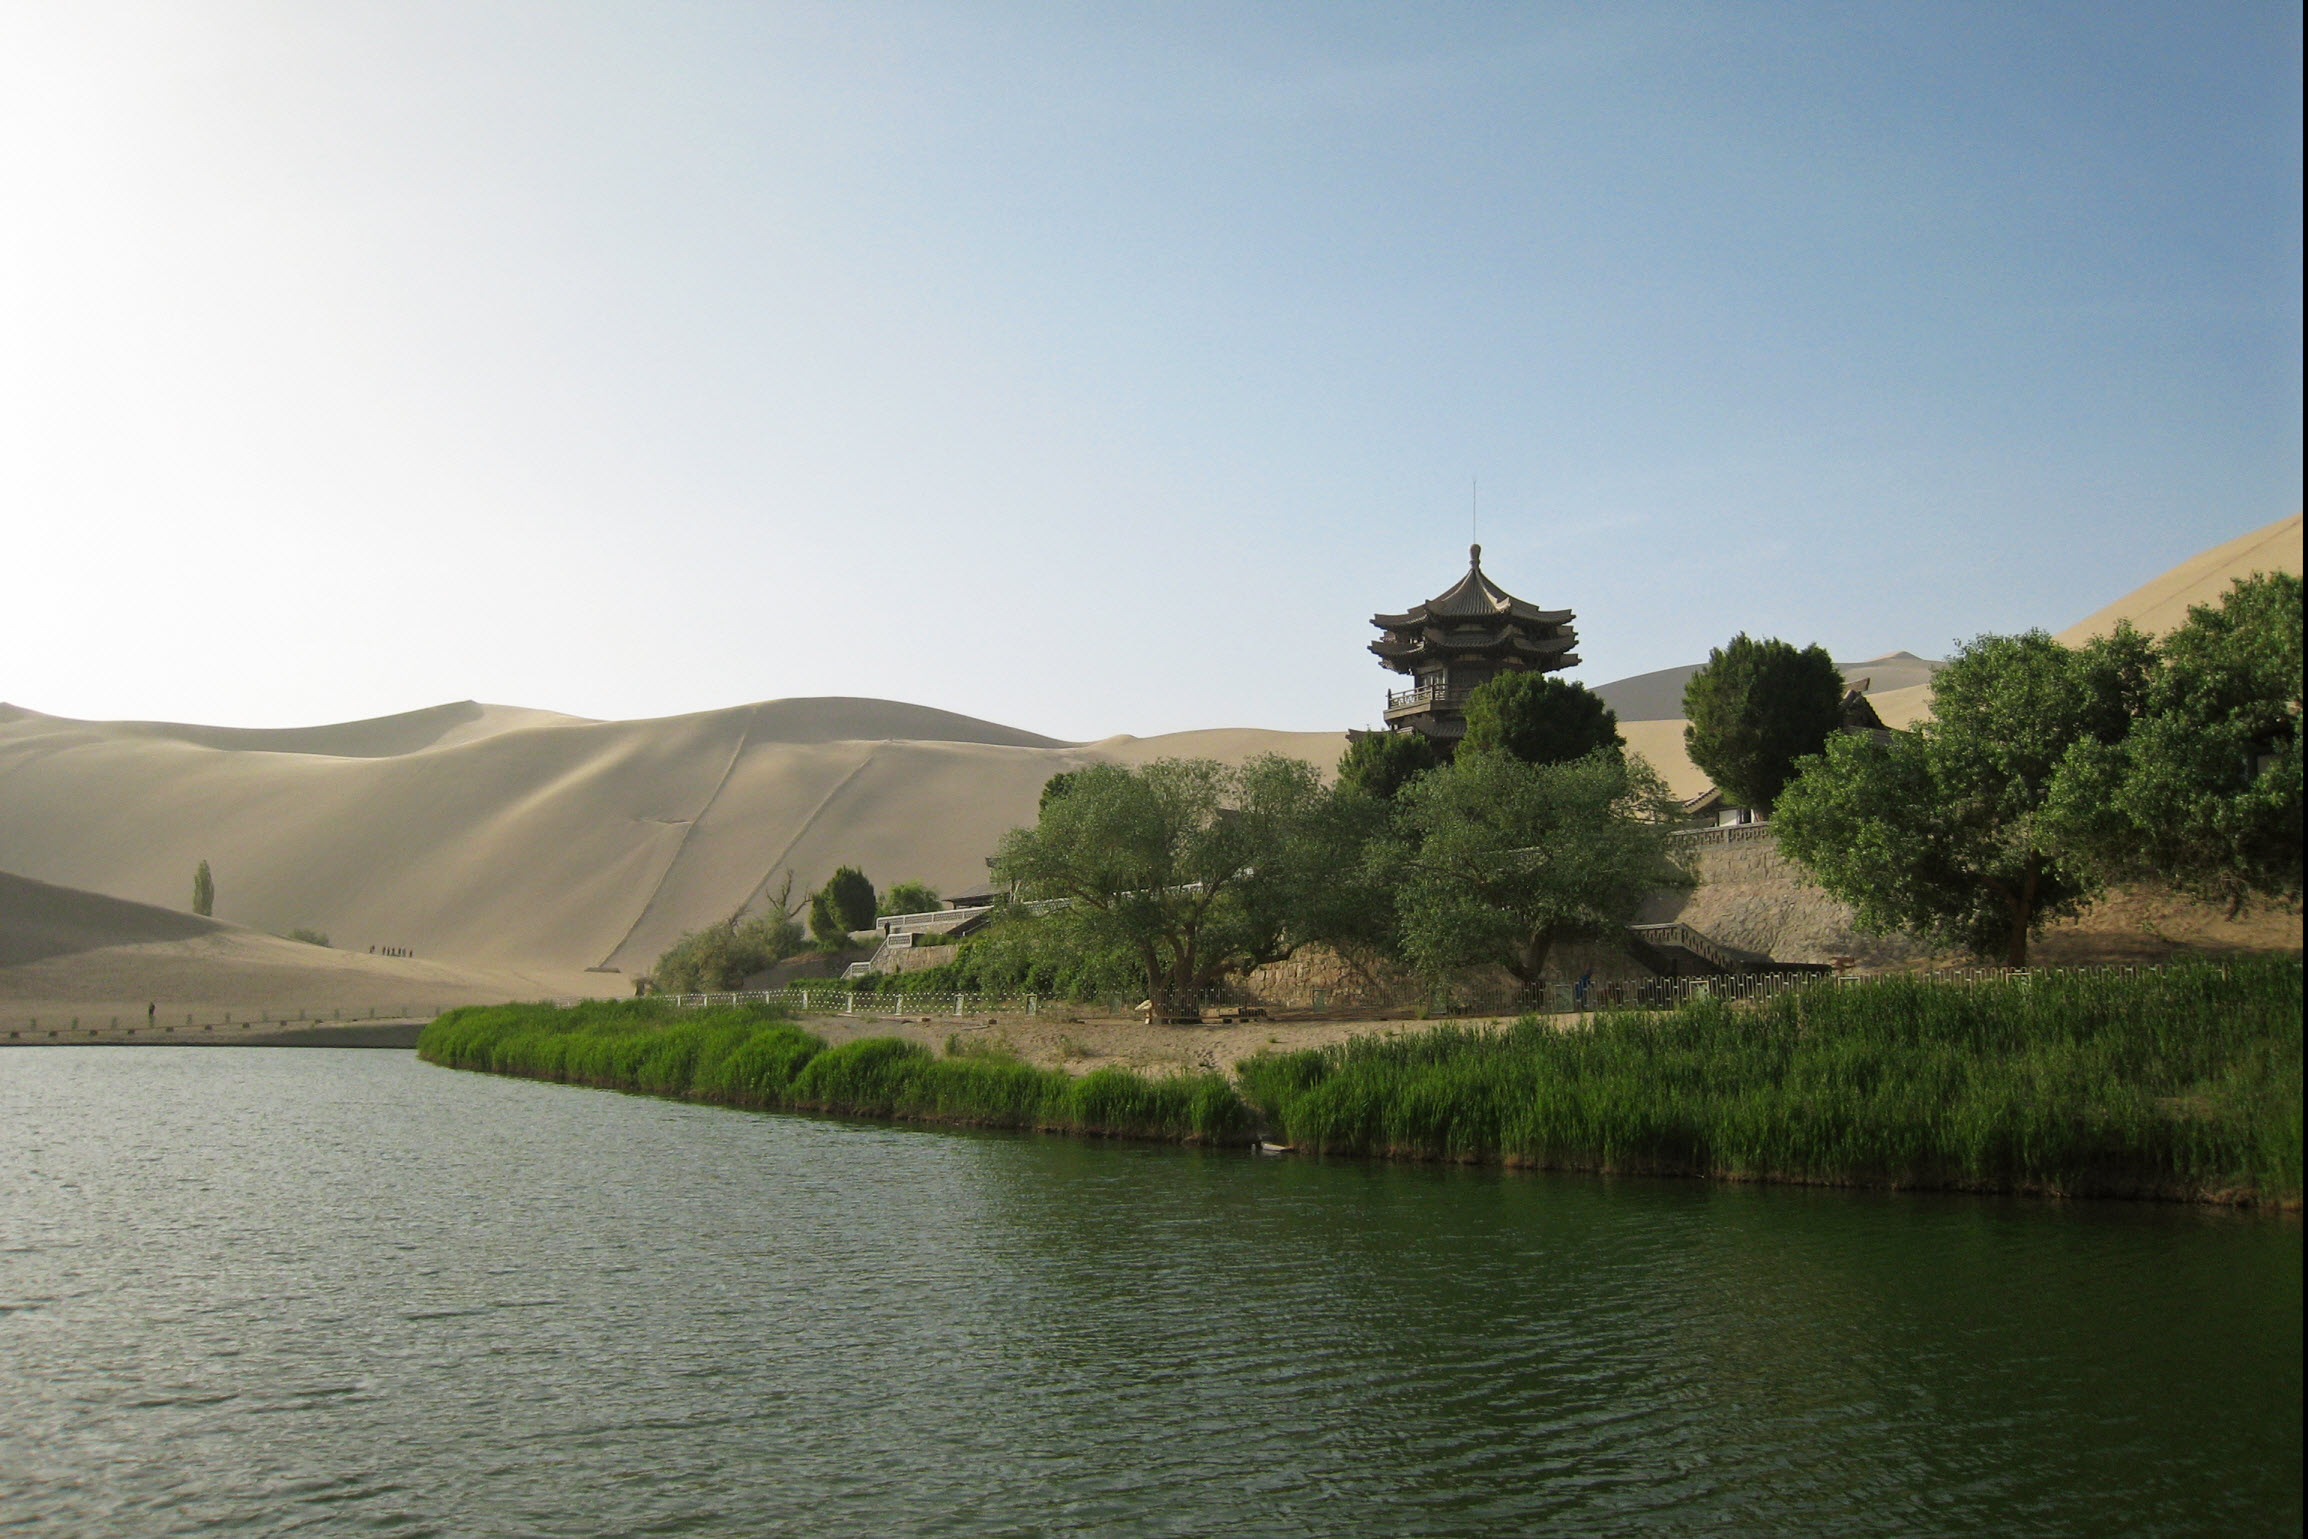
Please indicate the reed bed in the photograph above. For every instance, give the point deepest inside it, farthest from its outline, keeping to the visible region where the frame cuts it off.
(2183, 1083)
(753, 1056)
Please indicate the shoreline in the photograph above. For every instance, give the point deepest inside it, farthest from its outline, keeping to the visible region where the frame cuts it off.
(2113, 1191)
(2181, 1087)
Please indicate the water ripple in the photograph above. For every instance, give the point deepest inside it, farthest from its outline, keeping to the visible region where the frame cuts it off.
(277, 1292)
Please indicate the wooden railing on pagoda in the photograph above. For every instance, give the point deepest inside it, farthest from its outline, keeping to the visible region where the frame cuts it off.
(1425, 697)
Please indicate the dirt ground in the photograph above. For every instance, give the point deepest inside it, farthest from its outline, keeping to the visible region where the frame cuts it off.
(1079, 1042)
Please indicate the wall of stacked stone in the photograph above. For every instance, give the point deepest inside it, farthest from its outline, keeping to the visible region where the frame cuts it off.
(1315, 977)
(1751, 896)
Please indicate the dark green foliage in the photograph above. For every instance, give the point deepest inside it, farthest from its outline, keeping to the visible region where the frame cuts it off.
(2183, 1083)
(1055, 788)
(2205, 791)
(1755, 709)
(1184, 865)
(1502, 860)
(309, 937)
(827, 932)
(1378, 764)
(1942, 832)
(203, 891)
(751, 1056)
(1539, 719)
(849, 899)
(909, 898)
(722, 957)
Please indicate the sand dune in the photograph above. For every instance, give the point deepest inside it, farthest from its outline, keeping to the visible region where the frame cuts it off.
(67, 953)
(483, 836)
(2162, 605)
(520, 847)
(1899, 685)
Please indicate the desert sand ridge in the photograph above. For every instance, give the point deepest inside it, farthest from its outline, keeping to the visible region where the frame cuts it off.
(2161, 606)
(66, 953)
(533, 844)
(536, 840)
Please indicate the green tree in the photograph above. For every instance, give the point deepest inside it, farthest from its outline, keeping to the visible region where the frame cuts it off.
(1506, 859)
(1755, 709)
(909, 898)
(845, 903)
(1380, 763)
(1539, 719)
(721, 957)
(1187, 865)
(1942, 832)
(1056, 787)
(203, 891)
(2205, 791)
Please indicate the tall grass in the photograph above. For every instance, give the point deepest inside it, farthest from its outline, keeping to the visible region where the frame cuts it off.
(752, 1056)
(2185, 1082)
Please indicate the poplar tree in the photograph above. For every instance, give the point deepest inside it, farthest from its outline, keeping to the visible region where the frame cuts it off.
(203, 891)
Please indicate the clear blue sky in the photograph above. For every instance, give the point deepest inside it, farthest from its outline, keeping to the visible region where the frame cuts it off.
(1101, 369)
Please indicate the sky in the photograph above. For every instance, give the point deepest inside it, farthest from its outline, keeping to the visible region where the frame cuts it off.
(1103, 368)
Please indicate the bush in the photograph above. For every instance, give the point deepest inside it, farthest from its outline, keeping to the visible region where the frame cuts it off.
(909, 898)
(721, 957)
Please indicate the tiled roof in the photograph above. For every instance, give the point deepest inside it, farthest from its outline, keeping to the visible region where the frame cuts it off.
(1473, 596)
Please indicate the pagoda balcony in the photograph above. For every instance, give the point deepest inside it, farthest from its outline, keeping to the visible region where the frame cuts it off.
(1426, 697)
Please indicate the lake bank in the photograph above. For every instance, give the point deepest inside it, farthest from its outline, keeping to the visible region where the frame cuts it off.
(2183, 1084)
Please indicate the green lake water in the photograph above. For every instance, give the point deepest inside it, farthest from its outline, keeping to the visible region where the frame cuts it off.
(321, 1292)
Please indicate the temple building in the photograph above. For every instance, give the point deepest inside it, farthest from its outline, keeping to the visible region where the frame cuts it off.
(1461, 638)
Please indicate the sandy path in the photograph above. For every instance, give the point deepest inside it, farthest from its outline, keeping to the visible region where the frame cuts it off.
(1079, 1042)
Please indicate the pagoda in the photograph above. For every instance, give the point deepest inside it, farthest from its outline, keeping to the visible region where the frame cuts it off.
(1462, 638)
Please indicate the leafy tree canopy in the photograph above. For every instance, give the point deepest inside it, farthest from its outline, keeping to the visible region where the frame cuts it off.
(1056, 787)
(1539, 719)
(1755, 709)
(1506, 859)
(2205, 792)
(1187, 865)
(1942, 832)
(909, 898)
(845, 903)
(203, 891)
(1378, 764)
(723, 956)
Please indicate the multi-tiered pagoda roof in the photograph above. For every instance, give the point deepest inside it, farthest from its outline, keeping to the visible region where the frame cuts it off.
(1462, 638)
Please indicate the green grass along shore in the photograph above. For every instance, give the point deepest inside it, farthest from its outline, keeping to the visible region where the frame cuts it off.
(2181, 1084)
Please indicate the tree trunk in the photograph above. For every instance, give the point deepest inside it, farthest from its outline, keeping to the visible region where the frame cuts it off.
(1530, 965)
(2023, 906)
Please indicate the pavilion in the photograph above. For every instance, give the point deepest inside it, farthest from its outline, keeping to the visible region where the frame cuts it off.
(1462, 638)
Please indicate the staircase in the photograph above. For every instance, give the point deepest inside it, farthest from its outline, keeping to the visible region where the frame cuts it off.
(1677, 951)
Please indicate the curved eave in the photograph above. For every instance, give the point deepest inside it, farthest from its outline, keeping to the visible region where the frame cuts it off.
(1471, 608)
(1488, 641)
